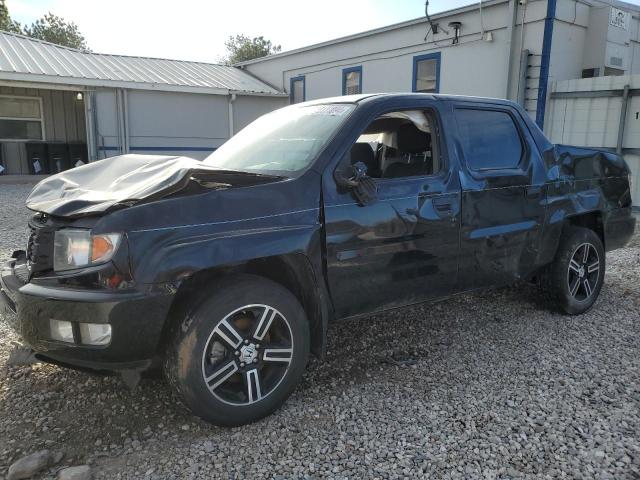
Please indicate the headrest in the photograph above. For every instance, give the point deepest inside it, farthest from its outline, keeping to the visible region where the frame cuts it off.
(362, 152)
(412, 140)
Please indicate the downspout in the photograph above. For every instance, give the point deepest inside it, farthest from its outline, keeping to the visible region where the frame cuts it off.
(623, 119)
(522, 79)
(91, 125)
(544, 63)
(123, 132)
(118, 95)
(511, 30)
(125, 118)
(232, 100)
(522, 86)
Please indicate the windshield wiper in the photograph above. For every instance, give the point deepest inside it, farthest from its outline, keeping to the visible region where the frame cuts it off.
(226, 171)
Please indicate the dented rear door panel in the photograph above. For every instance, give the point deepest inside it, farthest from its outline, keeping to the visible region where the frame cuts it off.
(503, 212)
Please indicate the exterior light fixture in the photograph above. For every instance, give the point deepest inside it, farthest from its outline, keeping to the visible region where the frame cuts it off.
(456, 28)
(79, 96)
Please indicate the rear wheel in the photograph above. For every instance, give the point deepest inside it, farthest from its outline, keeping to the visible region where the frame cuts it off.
(241, 353)
(573, 281)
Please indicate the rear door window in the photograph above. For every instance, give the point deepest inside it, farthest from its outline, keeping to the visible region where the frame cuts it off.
(490, 139)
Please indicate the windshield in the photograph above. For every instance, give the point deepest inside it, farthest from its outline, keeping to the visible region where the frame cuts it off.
(283, 142)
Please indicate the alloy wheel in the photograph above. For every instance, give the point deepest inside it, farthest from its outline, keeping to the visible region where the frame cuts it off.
(247, 354)
(583, 272)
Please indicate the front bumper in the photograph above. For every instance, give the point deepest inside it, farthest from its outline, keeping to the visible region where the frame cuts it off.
(137, 320)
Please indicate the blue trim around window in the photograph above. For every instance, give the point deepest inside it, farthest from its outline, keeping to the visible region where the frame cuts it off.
(346, 71)
(429, 56)
(545, 59)
(304, 87)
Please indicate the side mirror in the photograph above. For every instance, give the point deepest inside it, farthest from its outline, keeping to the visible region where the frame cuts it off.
(355, 179)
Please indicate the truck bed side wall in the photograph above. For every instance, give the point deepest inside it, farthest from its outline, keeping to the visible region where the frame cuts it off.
(584, 182)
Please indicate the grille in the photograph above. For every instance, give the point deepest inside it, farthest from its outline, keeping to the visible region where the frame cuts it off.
(40, 244)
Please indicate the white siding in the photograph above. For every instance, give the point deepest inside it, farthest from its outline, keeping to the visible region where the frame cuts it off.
(247, 109)
(473, 67)
(171, 123)
(166, 123)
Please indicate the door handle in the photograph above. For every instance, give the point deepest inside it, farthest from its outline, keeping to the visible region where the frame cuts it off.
(443, 205)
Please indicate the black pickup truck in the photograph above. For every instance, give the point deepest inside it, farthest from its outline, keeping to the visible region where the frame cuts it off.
(226, 272)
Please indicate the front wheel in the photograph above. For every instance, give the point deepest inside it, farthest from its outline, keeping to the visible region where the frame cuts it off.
(241, 353)
(573, 281)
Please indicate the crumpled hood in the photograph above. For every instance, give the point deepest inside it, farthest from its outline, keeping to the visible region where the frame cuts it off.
(116, 181)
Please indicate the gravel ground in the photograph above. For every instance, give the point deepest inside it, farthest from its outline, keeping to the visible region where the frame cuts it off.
(489, 385)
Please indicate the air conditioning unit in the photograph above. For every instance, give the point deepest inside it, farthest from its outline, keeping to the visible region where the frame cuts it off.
(608, 44)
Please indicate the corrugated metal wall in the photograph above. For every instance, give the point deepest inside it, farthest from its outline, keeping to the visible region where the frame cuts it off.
(63, 118)
(247, 109)
(172, 123)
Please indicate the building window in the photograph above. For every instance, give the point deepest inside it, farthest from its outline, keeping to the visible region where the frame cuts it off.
(352, 81)
(426, 73)
(21, 118)
(590, 72)
(611, 72)
(297, 89)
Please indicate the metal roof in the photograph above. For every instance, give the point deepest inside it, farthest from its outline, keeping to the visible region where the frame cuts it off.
(27, 59)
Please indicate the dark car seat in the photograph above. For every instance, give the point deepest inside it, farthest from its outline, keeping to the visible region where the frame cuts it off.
(362, 152)
(412, 145)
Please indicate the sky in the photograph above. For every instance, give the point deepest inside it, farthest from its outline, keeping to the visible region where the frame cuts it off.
(197, 29)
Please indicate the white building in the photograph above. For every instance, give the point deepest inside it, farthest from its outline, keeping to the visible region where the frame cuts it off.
(497, 48)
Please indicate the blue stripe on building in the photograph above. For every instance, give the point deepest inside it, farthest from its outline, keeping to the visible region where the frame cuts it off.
(543, 82)
(160, 149)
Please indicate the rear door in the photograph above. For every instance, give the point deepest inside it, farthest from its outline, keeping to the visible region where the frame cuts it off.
(503, 195)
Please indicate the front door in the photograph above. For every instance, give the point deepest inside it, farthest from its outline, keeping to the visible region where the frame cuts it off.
(403, 248)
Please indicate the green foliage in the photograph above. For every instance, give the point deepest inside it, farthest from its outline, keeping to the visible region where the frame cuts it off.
(49, 28)
(54, 29)
(5, 20)
(241, 48)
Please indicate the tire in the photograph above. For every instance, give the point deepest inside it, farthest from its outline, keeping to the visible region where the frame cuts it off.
(573, 281)
(240, 353)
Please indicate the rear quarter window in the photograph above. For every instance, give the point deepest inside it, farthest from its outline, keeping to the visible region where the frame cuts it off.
(490, 139)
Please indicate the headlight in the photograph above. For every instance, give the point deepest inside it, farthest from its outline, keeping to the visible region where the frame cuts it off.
(78, 248)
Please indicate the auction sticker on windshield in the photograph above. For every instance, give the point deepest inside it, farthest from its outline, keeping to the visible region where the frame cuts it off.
(333, 110)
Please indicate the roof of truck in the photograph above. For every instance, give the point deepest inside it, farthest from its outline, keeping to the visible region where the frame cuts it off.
(366, 97)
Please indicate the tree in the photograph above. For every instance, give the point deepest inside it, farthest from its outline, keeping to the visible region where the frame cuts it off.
(241, 48)
(5, 20)
(54, 29)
